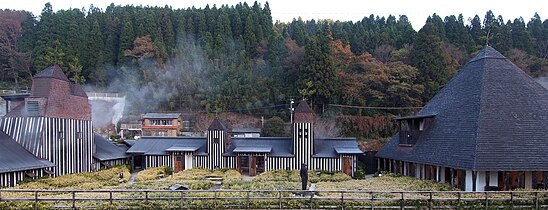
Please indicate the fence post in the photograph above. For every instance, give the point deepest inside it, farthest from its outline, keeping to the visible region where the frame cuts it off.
(372, 200)
(280, 199)
(110, 199)
(458, 201)
(146, 197)
(215, 202)
(430, 201)
(342, 199)
(536, 200)
(402, 201)
(486, 200)
(248, 204)
(511, 198)
(36, 200)
(182, 199)
(73, 200)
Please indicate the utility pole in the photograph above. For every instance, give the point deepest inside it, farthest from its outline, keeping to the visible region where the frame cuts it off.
(291, 109)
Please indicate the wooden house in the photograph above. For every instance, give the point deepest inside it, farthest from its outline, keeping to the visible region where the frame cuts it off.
(250, 156)
(485, 130)
(54, 123)
(162, 124)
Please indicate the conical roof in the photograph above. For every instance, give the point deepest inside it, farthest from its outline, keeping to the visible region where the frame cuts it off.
(53, 71)
(217, 125)
(303, 108)
(490, 116)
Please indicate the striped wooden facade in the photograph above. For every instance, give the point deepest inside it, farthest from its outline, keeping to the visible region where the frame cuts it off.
(68, 143)
(303, 143)
(215, 149)
(11, 179)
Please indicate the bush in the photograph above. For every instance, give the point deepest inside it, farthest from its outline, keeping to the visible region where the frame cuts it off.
(150, 174)
(82, 181)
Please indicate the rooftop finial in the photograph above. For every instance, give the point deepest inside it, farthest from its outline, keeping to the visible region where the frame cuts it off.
(487, 38)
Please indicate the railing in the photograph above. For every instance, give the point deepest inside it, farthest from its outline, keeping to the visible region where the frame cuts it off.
(131, 126)
(14, 91)
(104, 95)
(269, 199)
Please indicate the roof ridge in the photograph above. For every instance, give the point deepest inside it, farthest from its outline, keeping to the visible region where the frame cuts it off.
(478, 117)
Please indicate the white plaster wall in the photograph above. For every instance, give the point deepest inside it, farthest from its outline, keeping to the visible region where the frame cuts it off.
(188, 162)
(528, 180)
(442, 174)
(480, 181)
(418, 171)
(493, 178)
(468, 181)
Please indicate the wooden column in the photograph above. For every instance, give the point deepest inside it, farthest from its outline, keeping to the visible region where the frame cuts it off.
(474, 178)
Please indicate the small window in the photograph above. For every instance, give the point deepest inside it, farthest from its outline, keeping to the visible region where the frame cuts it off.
(33, 108)
(61, 135)
(216, 140)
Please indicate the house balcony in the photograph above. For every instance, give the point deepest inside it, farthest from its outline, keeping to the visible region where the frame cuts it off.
(131, 127)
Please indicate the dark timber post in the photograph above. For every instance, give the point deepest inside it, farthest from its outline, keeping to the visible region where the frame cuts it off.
(474, 177)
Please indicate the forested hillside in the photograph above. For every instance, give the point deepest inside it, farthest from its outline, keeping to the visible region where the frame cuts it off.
(235, 58)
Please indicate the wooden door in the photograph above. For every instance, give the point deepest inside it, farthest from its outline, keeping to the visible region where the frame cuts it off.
(347, 166)
(253, 166)
(179, 163)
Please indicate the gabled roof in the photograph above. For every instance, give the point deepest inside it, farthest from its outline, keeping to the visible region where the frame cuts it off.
(274, 146)
(490, 116)
(53, 71)
(13, 157)
(333, 147)
(106, 150)
(161, 115)
(159, 145)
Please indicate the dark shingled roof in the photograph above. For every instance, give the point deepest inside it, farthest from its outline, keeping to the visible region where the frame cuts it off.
(53, 71)
(106, 150)
(158, 145)
(281, 146)
(303, 108)
(217, 125)
(161, 115)
(77, 90)
(327, 147)
(13, 157)
(490, 116)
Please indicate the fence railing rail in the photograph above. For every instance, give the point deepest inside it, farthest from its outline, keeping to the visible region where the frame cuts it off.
(280, 199)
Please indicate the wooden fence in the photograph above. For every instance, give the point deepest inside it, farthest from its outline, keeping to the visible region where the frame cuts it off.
(268, 199)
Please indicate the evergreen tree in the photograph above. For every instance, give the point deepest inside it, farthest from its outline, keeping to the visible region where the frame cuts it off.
(317, 72)
(428, 57)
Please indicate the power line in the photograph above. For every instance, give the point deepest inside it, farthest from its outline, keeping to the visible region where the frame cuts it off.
(376, 107)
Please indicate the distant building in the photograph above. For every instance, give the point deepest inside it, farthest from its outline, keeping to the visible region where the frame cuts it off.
(250, 156)
(485, 130)
(245, 132)
(53, 123)
(162, 124)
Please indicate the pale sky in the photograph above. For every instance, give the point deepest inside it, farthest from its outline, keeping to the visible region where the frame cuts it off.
(345, 10)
